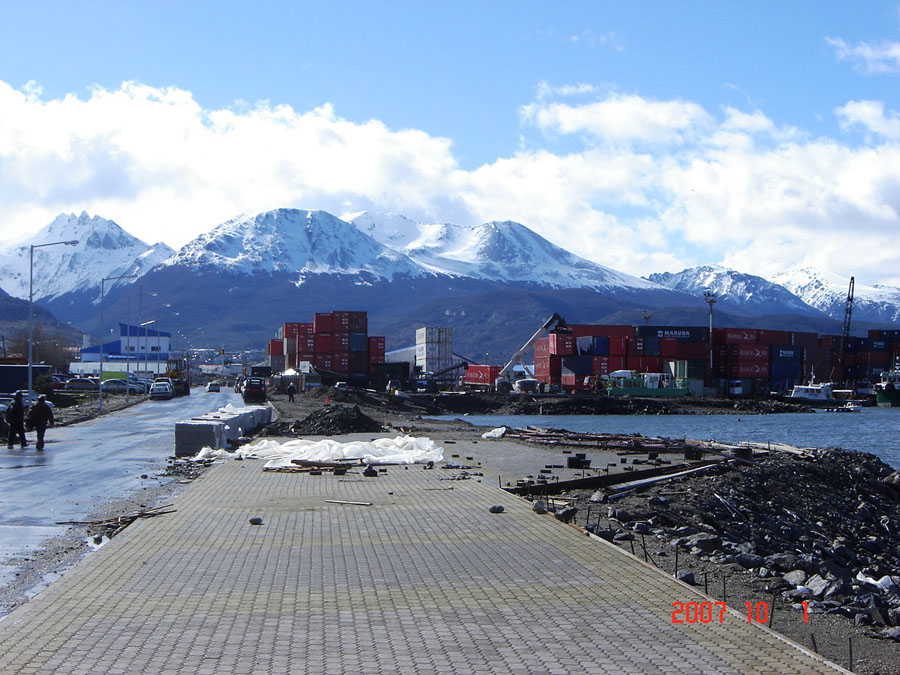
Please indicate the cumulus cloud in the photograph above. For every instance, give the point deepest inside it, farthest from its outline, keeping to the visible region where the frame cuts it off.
(643, 185)
(871, 59)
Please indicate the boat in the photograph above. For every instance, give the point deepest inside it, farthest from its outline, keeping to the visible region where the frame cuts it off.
(822, 392)
(887, 390)
(849, 406)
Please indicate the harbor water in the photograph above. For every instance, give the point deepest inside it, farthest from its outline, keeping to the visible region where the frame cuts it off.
(874, 430)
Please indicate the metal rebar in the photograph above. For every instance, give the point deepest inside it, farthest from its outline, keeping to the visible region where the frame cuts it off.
(772, 610)
(850, 644)
(676, 561)
(706, 583)
(724, 594)
(812, 638)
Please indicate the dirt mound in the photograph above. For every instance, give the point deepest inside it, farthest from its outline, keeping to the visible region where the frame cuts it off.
(335, 419)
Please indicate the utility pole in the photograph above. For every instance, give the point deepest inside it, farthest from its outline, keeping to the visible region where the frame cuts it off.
(710, 299)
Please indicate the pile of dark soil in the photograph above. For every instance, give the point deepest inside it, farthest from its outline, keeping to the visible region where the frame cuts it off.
(627, 405)
(336, 419)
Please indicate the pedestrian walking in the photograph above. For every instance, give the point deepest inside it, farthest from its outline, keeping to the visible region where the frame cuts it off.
(15, 417)
(291, 390)
(39, 417)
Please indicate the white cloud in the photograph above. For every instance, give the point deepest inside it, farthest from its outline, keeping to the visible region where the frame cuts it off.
(872, 59)
(870, 115)
(643, 185)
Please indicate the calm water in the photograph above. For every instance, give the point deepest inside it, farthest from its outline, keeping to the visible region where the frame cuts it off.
(875, 430)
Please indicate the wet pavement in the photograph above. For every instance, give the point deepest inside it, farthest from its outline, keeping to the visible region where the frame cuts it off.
(85, 464)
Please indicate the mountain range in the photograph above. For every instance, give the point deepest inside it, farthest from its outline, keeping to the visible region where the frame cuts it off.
(494, 283)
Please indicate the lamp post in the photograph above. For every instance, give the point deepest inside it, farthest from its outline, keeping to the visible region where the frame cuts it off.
(100, 385)
(144, 325)
(69, 242)
(710, 299)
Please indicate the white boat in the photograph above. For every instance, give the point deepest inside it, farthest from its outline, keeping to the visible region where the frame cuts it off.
(814, 392)
(849, 406)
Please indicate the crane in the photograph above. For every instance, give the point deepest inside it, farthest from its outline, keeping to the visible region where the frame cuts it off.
(845, 332)
(504, 379)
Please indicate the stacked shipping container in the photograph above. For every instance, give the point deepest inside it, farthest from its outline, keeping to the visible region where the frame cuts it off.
(434, 348)
(333, 341)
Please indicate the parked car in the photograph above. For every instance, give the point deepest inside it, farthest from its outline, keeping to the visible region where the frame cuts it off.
(254, 389)
(59, 381)
(162, 390)
(213, 386)
(82, 384)
(116, 386)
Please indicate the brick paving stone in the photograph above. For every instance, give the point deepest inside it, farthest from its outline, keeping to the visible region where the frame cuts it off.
(423, 581)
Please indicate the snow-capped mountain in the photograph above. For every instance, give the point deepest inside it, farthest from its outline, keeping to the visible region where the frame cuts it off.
(103, 250)
(292, 241)
(827, 292)
(498, 251)
(751, 294)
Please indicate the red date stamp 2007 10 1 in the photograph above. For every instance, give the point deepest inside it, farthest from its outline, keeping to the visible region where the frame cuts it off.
(704, 612)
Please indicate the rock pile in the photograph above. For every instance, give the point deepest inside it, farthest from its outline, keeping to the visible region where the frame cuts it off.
(825, 530)
(335, 419)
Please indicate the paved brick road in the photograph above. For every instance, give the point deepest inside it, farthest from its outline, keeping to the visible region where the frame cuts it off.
(423, 581)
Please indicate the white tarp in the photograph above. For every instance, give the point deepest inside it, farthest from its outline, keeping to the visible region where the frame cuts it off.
(398, 450)
(499, 432)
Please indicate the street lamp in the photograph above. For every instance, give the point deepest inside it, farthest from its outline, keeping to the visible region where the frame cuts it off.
(69, 242)
(710, 299)
(146, 342)
(100, 386)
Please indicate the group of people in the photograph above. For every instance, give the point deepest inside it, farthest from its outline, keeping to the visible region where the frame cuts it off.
(39, 417)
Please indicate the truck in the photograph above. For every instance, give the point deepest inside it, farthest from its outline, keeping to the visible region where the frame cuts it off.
(14, 377)
(177, 370)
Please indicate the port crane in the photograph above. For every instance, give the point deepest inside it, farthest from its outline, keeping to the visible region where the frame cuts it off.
(504, 381)
(845, 334)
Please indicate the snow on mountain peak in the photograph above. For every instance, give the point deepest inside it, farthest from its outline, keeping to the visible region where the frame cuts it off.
(292, 240)
(827, 292)
(103, 250)
(747, 291)
(498, 250)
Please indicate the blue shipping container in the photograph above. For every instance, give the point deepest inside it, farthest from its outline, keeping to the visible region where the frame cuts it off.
(601, 345)
(785, 353)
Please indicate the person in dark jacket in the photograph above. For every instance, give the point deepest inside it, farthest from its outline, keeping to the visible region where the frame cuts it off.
(291, 390)
(39, 417)
(15, 416)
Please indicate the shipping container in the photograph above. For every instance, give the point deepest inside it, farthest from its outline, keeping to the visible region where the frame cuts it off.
(359, 362)
(382, 373)
(322, 323)
(786, 353)
(340, 343)
(482, 375)
(652, 346)
(591, 345)
(805, 340)
(741, 352)
(773, 337)
(322, 361)
(889, 335)
(733, 336)
(277, 363)
(306, 343)
(751, 369)
(548, 365)
(340, 321)
(680, 333)
(576, 365)
(692, 351)
(358, 342)
(340, 363)
(582, 330)
(618, 345)
(276, 347)
(323, 343)
(542, 347)
(359, 322)
(562, 344)
(644, 364)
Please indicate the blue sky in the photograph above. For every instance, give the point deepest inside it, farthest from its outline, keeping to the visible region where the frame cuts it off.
(646, 136)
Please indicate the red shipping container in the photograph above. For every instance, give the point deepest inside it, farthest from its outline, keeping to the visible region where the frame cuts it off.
(599, 365)
(376, 343)
(340, 363)
(276, 347)
(323, 343)
(322, 323)
(806, 340)
(880, 359)
(644, 364)
(542, 347)
(669, 347)
(322, 361)
(481, 374)
(585, 330)
(742, 352)
(692, 351)
(306, 343)
(340, 322)
(359, 322)
(289, 330)
(635, 346)
(570, 380)
(618, 345)
(747, 369)
(733, 336)
(773, 337)
(305, 356)
(340, 343)
(826, 341)
(548, 365)
(562, 344)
